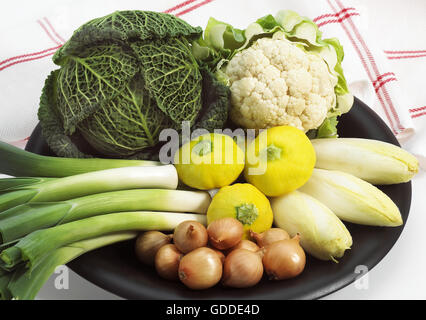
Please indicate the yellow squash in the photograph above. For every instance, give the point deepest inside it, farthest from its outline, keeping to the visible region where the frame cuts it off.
(279, 160)
(209, 161)
(244, 202)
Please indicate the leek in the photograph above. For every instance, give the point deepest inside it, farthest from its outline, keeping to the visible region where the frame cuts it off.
(5, 278)
(26, 218)
(34, 246)
(322, 234)
(21, 163)
(25, 284)
(92, 183)
(352, 199)
(10, 183)
(374, 161)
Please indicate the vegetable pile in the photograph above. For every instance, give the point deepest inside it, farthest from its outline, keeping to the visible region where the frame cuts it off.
(235, 262)
(48, 222)
(125, 77)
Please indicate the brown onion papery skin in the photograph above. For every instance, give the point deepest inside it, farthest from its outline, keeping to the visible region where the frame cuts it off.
(200, 269)
(242, 269)
(220, 254)
(244, 244)
(148, 243)
(225, 233)
(284, 259)
(269, 236)
(167, 262)
(190, 235)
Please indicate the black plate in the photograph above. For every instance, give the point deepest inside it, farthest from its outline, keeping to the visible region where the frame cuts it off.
(115, 268)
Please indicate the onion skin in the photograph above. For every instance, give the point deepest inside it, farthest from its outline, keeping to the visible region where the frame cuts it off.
(190, 235)
(242, 269)
(148, 243)
(220, 254)
(284, 259)
(200, 269)
(244, 244)
(225, 233)
(167, 262)
(269, 236)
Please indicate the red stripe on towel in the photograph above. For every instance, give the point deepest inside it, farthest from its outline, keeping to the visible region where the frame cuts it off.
(29, 55)
(53, 30)
(371, 68)
(418, 115)
(26, 60)
(193, 8)
(407, 57)
(179, 6)
(330, 15)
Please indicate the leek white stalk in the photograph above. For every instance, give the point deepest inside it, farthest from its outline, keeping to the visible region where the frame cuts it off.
(26, 218)
(25, 284)
(352, 199)
(374, 161)
(162, 177)
(32, 248)
(322, 234)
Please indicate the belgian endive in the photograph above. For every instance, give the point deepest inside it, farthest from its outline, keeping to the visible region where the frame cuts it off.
(322, 234)
(352, 199)
(374, 161)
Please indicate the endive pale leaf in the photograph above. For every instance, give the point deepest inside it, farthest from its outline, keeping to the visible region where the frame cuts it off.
(374, 161)
(322, 234)
(352, 199)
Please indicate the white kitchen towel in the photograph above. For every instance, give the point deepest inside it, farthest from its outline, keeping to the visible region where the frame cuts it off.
(389, 79)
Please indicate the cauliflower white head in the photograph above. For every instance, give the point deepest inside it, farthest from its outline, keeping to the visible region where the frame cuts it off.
(274, 82)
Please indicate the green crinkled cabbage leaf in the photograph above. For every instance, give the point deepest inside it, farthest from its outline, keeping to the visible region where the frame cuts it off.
(215, 96)
(51, 123)
(90, 80)
(134, 118)
(124, 27)
(171, 76)
(123, 78)
(221, 42)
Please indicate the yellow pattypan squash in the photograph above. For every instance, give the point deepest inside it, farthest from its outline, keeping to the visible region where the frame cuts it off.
(209, 161)
(245, 203)
(280, 160)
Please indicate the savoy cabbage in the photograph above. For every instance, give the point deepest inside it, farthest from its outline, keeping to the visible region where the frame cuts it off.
(122, 79)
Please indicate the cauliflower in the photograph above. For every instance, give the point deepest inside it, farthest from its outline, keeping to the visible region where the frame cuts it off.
(280, 70)
(274, 82)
